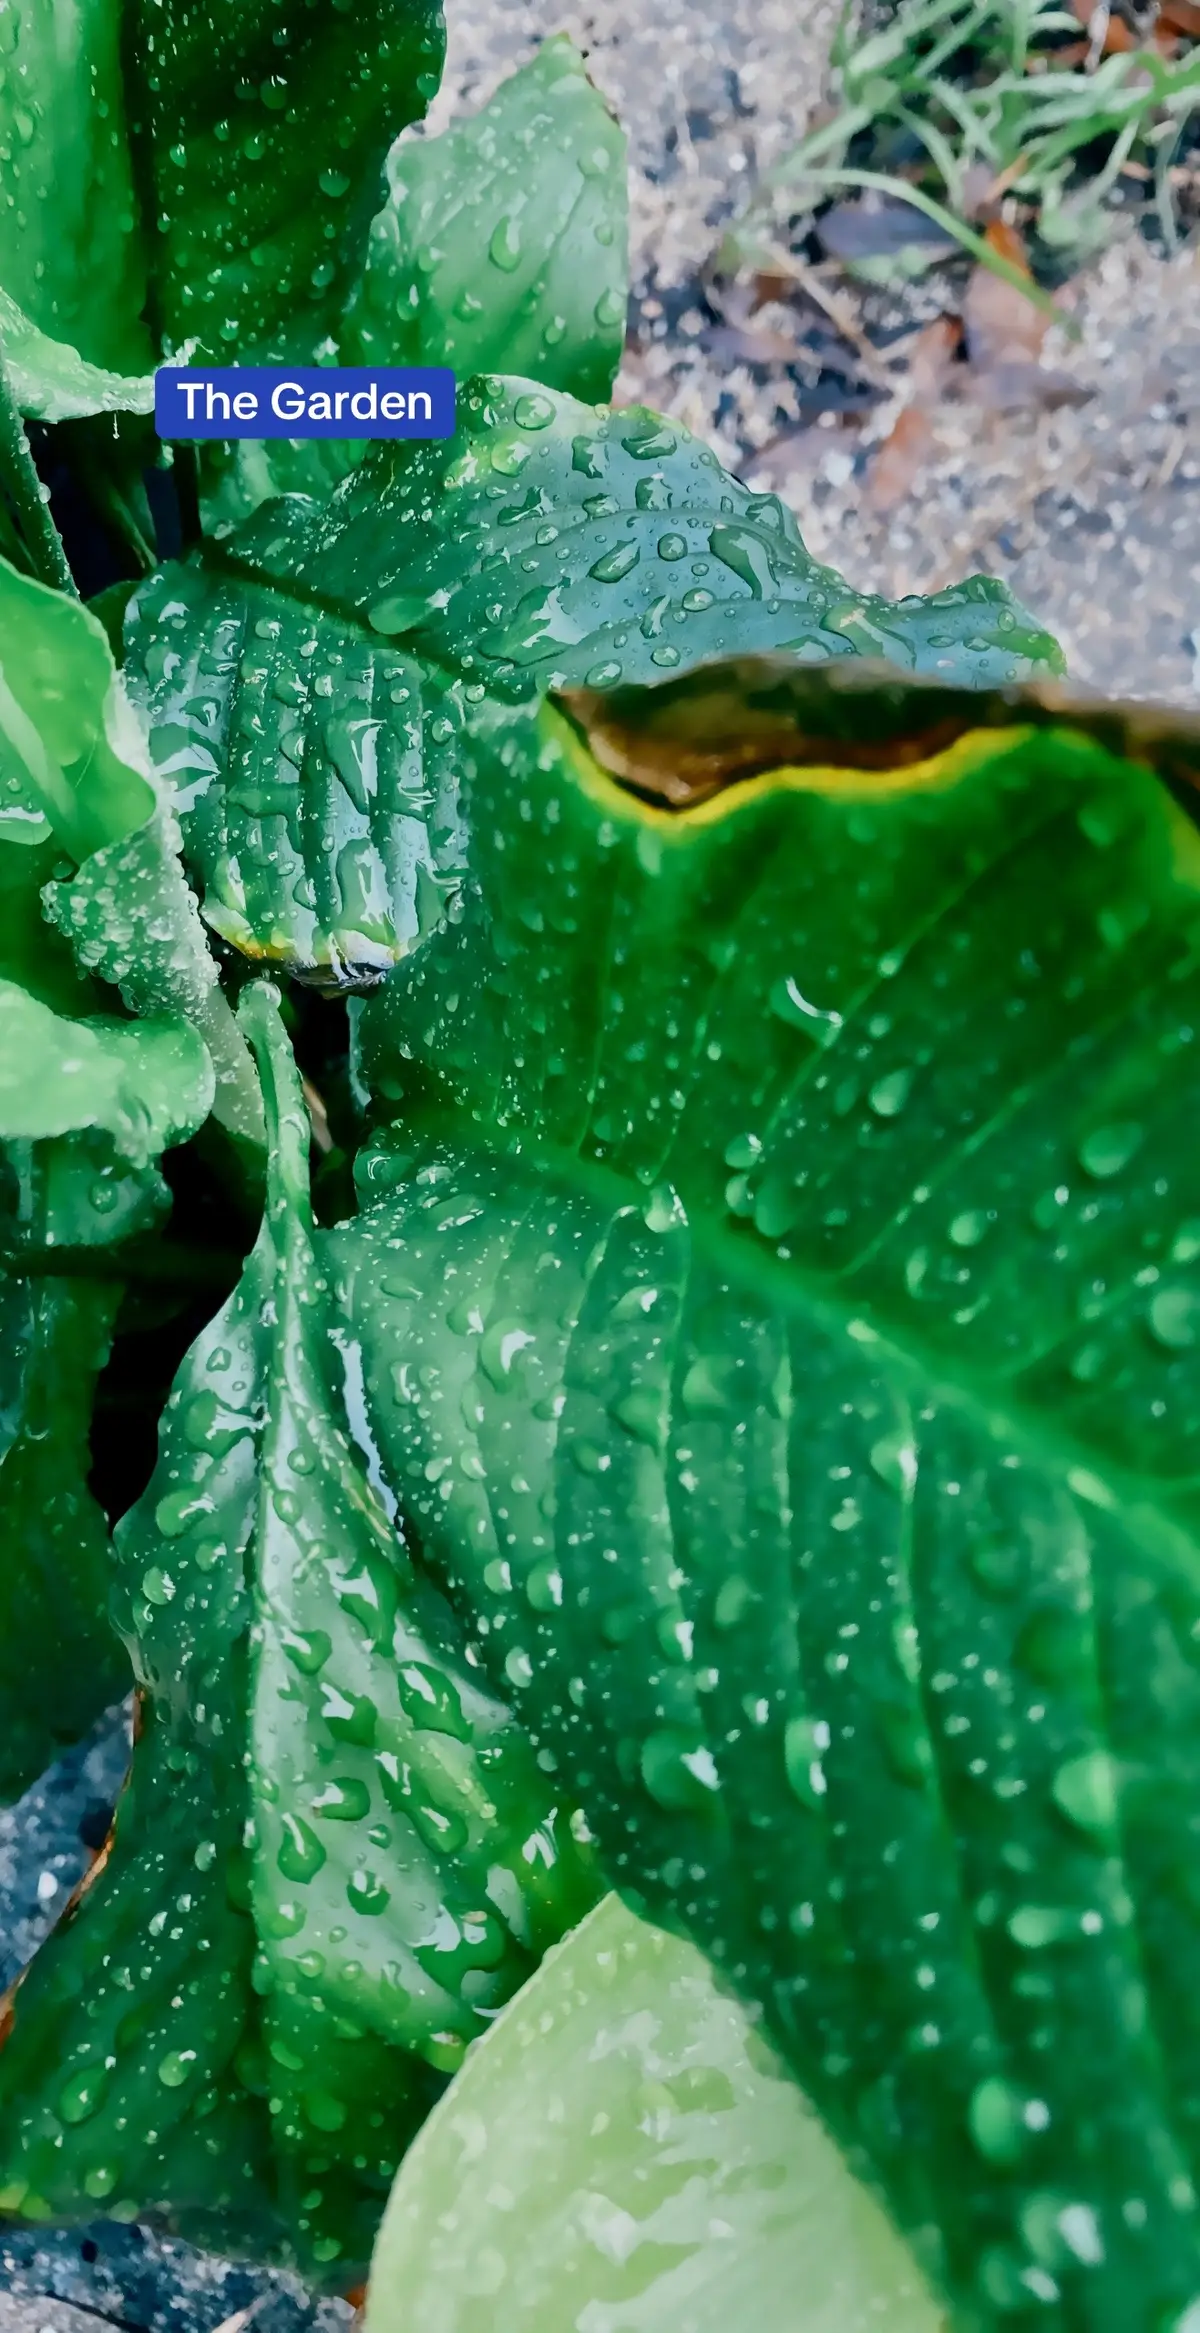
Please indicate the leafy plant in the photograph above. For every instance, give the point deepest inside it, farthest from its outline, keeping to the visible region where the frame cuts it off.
(733, 1441)
(992, 87)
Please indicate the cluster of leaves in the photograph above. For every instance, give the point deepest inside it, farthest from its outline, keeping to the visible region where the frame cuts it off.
(734, 1441)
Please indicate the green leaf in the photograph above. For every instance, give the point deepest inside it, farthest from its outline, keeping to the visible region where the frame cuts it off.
(52, 382)
(74, 772)
(337, 1855)
(60, 1663)
(71, 254)
(148, 1083)
(503, 245)
(537, 179)
(549, 545)
(312, 771)
(284, 671)
(223, 164)
(621, 2140)
(788, 1262)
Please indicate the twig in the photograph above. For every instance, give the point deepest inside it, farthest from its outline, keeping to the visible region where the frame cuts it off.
(19, 476)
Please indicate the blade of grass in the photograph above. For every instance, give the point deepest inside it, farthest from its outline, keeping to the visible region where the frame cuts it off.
(882, 182)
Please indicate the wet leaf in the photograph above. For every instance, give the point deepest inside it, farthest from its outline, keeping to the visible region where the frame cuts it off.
(336, 1856)
(220, 166)
(306, 680)
(74, 773)
(52, 382)
(550, 545)
(786, 1255)
(503, 242)
(649, 2153)
(312, 767)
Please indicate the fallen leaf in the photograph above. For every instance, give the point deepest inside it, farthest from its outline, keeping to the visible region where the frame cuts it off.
(900, 459)
(1001, 324)
(881, 229)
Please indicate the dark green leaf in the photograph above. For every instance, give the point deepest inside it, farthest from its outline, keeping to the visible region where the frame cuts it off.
(503, 243)
(537, 182)
(59, 1661)
(259, 134)
(551, 546)
(799, 1294)
(546, 546)
(311, 767)
(71, 255)
(221, 165)
(337, 1856)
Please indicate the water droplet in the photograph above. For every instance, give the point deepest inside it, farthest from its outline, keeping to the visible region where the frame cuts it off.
(614, 564)
(82, 2094)
(502, 1341)
(1174, 1317)
(157, 1586)
(609, 309)
(1085, 1789)
(968, 1229)
(1036, 1926)
(307, 1650)
(889, 1094)
(788, 1003)
(671, 547)
(504, 250)
(804, 1739)
(367, 1893)
(678, 1771)
(642, 1415)
(343, 1800)
(996, 2120)
(323, 2110)
(174, 2069)
(301, 1854)
(430, 1700)
(544, 1587)
(533, 412)
(1107, 1149)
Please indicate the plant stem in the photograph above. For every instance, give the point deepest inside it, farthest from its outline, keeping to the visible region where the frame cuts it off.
(185, 468)
(19, 476)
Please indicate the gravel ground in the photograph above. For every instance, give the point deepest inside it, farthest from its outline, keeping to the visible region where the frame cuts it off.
(1090, 511)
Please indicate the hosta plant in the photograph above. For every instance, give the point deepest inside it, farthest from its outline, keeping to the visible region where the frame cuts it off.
(622, 1110)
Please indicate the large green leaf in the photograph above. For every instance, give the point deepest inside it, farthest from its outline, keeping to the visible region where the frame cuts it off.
(216, 167)
(503, 245)
(284, 670)
(86, 1106)
(551, 544)
(537, 181)
(71, 253)
(651, 2158)
(87, 1103)
(60, 1663)
(337, 1855)
(779, 1307)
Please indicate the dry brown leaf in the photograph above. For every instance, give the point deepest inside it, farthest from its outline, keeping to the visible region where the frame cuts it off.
(900, 459)
(1001, 324)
